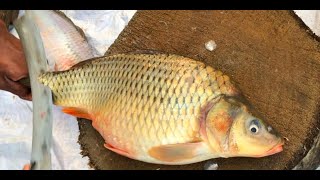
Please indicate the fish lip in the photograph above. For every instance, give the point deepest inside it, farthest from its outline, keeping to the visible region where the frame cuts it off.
(274, 150)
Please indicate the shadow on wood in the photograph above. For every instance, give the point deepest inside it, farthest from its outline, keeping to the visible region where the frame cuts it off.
(271, 55)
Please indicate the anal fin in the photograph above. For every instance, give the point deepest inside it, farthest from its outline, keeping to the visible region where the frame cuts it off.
(77, 112)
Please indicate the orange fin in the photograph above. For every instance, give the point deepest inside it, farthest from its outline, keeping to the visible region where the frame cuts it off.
(175, 152)
(116, 150)
(78, 112)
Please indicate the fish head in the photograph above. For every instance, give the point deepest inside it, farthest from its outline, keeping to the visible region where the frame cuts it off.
(233, 131)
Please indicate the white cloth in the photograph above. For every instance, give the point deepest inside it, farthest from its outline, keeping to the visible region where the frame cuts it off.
(311, 18)
(101, 28)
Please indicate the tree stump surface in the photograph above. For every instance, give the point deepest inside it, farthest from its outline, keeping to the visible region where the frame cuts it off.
(272, 56)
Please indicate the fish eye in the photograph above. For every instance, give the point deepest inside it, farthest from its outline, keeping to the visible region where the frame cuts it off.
(254, 126)
(254, 129)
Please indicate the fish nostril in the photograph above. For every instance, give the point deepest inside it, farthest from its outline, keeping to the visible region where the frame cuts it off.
(269, 129)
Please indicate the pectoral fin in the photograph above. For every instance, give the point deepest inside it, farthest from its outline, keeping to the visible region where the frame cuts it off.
(175, 152)
(78, 112)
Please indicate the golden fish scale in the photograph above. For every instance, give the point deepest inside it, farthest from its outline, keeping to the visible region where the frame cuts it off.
(140, 101)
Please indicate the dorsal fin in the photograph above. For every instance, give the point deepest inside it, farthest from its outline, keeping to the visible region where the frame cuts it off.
(138, 51)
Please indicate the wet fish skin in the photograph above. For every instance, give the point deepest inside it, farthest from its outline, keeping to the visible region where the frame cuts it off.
(158, 108)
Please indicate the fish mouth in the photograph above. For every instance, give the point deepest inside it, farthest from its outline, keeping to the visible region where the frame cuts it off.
(274, 150)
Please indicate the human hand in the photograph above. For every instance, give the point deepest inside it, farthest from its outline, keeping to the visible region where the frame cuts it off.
(13, 66)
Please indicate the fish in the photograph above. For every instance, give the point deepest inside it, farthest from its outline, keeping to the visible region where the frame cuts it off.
(163, 108)
(65, 43)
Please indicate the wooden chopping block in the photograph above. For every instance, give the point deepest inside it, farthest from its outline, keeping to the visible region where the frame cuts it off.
(272, 56)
